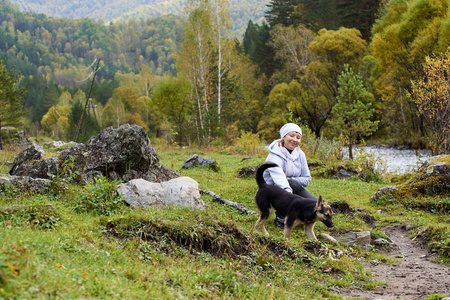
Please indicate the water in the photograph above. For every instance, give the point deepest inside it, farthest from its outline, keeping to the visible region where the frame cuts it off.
(399, 161)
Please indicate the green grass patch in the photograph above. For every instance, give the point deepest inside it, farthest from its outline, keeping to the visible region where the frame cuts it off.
(91, 252)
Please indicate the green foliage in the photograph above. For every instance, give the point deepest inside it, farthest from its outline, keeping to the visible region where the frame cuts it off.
(176, 253)
(370, 168)
(37, 216)
(256, 45)
(100, 198)
(436, 297)
(247, 144)
(405, 33)
(352, 115)
(171, 98)
(10, 100)
(430, 94)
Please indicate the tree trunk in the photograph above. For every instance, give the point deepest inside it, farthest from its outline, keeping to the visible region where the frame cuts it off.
(350, 149)
(1, 136)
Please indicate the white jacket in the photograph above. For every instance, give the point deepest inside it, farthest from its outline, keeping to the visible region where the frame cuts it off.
(277, 175)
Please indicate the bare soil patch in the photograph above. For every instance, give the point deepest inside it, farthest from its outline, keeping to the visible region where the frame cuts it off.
(412, 277)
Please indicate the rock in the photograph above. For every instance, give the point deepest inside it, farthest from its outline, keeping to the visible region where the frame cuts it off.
(27, 156)
(26, 184)
(344, 174)
(58, 145)
(181, 191)
(247, 157)
(246, 172)
(386, 192)
(361, 239)
(124, 153)
(432, 179)
(380, 242)
(196, 160)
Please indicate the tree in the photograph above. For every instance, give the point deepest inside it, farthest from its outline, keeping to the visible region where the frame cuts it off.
(332, 50)
(292, 48)
(404, 34)
(172, 98)
(282, 12)
(10, 100)
(351, 116)
(195, 60)
(56, 121)
(256, 45)
(432, 96)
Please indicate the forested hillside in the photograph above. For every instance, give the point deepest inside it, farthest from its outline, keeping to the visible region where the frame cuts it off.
(240, 11)
(344, 70)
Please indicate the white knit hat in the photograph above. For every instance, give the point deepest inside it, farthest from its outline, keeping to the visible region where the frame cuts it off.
(288, 127)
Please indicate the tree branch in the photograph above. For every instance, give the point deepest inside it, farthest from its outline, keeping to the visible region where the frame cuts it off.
(239, 207)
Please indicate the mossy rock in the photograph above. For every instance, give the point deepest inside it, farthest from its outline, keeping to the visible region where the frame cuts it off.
(431, 180)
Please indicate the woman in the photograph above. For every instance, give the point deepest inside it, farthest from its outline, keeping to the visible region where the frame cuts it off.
(293, 172)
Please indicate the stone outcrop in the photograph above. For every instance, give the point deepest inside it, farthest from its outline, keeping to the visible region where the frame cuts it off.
(361, 238)
(432, 179)
(124, 153)
(246, 172)
(181, 191)
(26, 184)
(198, 161)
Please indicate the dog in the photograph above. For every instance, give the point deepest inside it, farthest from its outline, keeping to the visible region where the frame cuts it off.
(296, 209)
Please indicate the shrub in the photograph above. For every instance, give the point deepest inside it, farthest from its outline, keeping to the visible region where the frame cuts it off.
(248, 144)
(100, 197)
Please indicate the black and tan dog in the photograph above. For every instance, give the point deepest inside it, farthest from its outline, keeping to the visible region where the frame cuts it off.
(296, 209)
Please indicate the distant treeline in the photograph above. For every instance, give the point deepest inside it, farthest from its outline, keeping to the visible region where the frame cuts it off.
(343, 69)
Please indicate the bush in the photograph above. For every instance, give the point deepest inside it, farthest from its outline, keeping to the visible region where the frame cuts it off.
(248, 144)
(100, 197)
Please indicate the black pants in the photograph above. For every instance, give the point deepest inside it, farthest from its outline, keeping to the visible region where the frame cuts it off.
(298, 190)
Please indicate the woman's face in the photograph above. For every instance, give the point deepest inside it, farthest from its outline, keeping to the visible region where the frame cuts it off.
(292, 140)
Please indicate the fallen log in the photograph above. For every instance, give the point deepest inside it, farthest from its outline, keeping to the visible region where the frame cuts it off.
(236, 205)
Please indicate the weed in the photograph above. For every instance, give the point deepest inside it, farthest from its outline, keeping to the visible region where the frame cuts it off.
(100, 197)
(435, 297)
(38, 216)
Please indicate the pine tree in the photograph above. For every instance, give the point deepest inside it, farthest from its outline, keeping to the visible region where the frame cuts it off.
(351, 116)
(10, 100)
(282, 12)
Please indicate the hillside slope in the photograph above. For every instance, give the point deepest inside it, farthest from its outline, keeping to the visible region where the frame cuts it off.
(241, 11)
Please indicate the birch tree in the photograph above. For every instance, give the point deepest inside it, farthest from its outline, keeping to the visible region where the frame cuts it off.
(204, 59)
(432, 97)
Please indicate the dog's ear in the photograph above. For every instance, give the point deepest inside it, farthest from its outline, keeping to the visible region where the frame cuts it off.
(319, 203)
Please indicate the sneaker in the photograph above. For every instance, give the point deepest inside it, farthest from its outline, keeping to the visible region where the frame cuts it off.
(279, 222)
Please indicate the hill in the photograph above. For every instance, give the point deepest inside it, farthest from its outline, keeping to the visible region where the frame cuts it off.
(119, 10)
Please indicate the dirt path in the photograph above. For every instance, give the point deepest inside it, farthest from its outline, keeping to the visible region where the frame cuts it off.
(413, 277)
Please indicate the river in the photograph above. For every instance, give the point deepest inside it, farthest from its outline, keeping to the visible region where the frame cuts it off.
(398, 161)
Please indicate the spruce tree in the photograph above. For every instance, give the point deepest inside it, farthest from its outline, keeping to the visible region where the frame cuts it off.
(10, 100)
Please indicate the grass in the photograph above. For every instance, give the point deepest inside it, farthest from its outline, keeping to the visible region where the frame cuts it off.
(180, 253)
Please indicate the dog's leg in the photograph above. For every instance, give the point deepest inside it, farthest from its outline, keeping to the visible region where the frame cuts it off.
(287, 231)
(263, 227)
(309, 230)
(260, 224)
(263, 222)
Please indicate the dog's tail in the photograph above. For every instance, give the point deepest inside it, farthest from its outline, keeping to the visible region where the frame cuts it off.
(259, 173)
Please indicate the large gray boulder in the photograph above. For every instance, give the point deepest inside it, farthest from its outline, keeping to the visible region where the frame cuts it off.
(124, 153)
(181, 191)
(26, 184)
